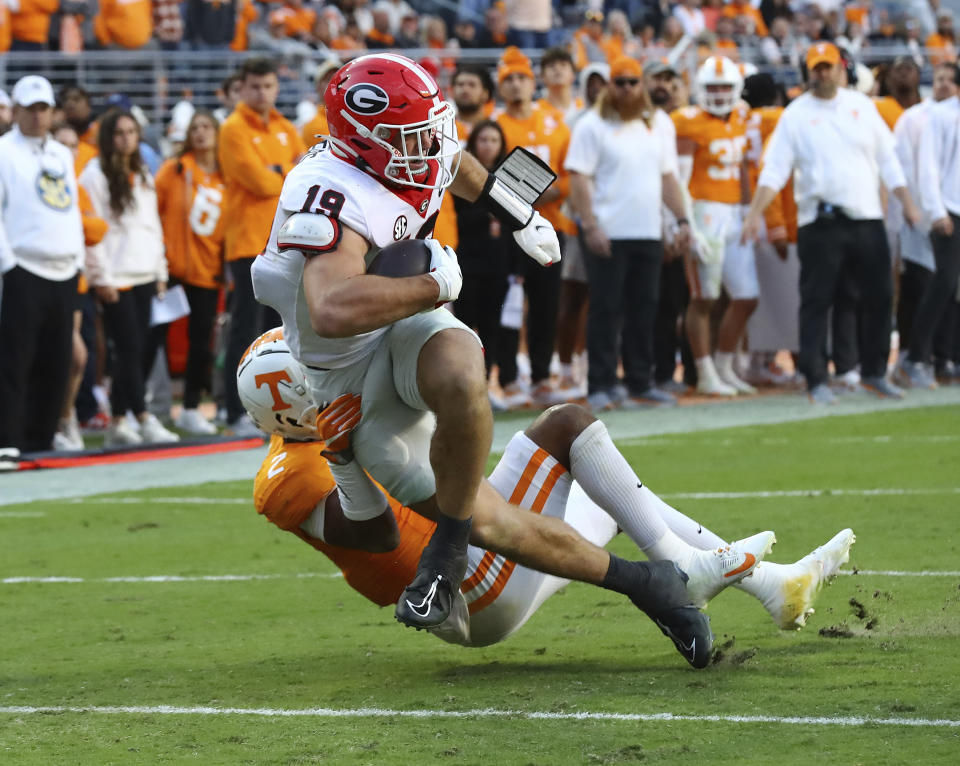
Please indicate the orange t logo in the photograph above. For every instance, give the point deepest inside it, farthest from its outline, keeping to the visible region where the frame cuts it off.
(272, 379)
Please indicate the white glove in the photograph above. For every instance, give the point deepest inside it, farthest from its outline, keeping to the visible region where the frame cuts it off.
(445, 269)
(538, 240)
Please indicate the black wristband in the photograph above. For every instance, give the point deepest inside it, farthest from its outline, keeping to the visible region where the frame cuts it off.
(682, 221)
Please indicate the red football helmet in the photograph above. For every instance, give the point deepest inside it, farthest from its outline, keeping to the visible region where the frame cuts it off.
(385, 114)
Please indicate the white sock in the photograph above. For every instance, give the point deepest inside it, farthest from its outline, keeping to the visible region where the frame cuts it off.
(566, 370)
(604, 474)
(724, 361)
(688, 530)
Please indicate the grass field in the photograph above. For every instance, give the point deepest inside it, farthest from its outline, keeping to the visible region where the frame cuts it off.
(284, 664)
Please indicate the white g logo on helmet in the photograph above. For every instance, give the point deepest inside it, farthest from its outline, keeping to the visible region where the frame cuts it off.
(366, 98)
(274, 390)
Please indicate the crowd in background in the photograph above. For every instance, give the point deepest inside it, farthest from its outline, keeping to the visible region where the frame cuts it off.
(193, 210)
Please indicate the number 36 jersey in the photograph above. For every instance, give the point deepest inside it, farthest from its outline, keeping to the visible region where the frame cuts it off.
(719, 152)
(324, 184)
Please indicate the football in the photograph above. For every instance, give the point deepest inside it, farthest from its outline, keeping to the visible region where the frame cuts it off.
(406, 258)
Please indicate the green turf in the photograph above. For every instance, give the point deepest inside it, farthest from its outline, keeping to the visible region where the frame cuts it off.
(296, 643)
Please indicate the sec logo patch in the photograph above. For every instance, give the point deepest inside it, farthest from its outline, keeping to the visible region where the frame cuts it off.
(400, 227)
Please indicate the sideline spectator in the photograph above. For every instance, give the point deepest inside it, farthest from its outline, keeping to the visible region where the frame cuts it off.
(538, 132)
(495, 29)
(688, 13)
(6, 112)
(588, 42)
(841, 150)
(189, 199)
(530, 22)
(68, 435)
(916, 249)
(126, 270)
(395, 11)
(942, 44)
(484, 251)
(168, 24)
(41, 253)
(258, 147)
(315, 127)
(614, 148)
(228, 94)
(246, 14)
(472, 89)
(380, 35)
(939, 182)
(214, 26)
(408, 36)
(30, 25)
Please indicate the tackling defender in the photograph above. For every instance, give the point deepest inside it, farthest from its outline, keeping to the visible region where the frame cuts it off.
(558, 468)
(391, 155)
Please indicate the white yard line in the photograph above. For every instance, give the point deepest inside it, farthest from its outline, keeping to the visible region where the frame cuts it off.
(811, 493)
(944, 723)
(63, 579)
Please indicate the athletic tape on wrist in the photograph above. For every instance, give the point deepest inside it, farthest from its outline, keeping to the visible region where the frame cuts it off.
(360, 498)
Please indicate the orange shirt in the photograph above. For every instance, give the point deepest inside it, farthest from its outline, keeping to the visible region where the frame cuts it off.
(94, 227)
(127, 23)
(247, 14)
(6, 35)
(445, 230)
(85, 153)
(718, 154)
(889, 109)
(190, 204)
(781, 215)
(296, 21)
(32, 22)
(314, 130)
(936, 42)
(251, 153)
(294, 478)
(735, 9)
(548, 137)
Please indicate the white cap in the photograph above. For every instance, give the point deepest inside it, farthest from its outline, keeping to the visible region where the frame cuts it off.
(4, 98)
(33, 89)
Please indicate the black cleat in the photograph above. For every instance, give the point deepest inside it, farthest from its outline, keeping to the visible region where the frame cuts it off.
(427, 601)
(663, 597)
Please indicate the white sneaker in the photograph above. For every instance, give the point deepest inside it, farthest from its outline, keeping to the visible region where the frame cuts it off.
(63, 443)
(244, 427)
(713, 570)
(567, 390)
(789, 590)
(730, 378)
(516, 396)
(496, 401)
(152, 431)
(711, 385)
(193, 422)
(121, 434)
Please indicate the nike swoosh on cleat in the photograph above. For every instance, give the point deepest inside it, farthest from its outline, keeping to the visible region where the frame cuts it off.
(427, 600)
(749, 561)
(692, 649)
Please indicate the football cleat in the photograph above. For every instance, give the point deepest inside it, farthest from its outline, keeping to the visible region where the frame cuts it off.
(792, 588)
(663, 597)
(711, 571)
(428, 601)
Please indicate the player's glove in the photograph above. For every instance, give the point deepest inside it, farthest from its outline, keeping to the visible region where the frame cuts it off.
(334, 424)
(445, 269)
(538, 240)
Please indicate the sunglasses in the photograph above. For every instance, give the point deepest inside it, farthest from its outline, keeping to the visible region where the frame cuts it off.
(623, 82)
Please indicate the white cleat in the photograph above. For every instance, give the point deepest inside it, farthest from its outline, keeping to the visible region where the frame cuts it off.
(730, 378)
(793, 588)
(713, 386)
(713, 570)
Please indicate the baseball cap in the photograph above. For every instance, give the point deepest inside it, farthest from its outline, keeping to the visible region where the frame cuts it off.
(33, 89)
(625, 66)
(325, 67)
(822, 53)
(659, 66)
(513, 61)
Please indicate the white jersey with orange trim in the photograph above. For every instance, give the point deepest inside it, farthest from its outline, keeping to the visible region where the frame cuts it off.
(324, 184)
(500, 595)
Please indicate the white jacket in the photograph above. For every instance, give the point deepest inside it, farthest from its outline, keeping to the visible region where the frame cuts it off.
(132, 251)
(40, 226)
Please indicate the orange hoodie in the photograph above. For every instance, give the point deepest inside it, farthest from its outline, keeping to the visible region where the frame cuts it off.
(32, 22)
(190, 204)
(251, 154)
(5, 34)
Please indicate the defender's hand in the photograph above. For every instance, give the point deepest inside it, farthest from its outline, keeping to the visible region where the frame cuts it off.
(334, 424)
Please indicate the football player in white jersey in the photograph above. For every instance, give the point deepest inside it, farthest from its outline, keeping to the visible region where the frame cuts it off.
(426, 431)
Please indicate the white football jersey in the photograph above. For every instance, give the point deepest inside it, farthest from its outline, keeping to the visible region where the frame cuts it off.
(324, 184)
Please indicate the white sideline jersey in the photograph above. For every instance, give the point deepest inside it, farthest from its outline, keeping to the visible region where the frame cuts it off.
(324, 184)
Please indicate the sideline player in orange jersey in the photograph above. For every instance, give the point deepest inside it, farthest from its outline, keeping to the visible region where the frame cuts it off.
(715, 133)
(543, 133)
(563, 467)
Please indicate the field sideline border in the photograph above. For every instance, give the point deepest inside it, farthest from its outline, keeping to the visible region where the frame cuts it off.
(51, 484)
(482, 713)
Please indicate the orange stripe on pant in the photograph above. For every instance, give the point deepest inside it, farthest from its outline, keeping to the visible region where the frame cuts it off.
(537, 507)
